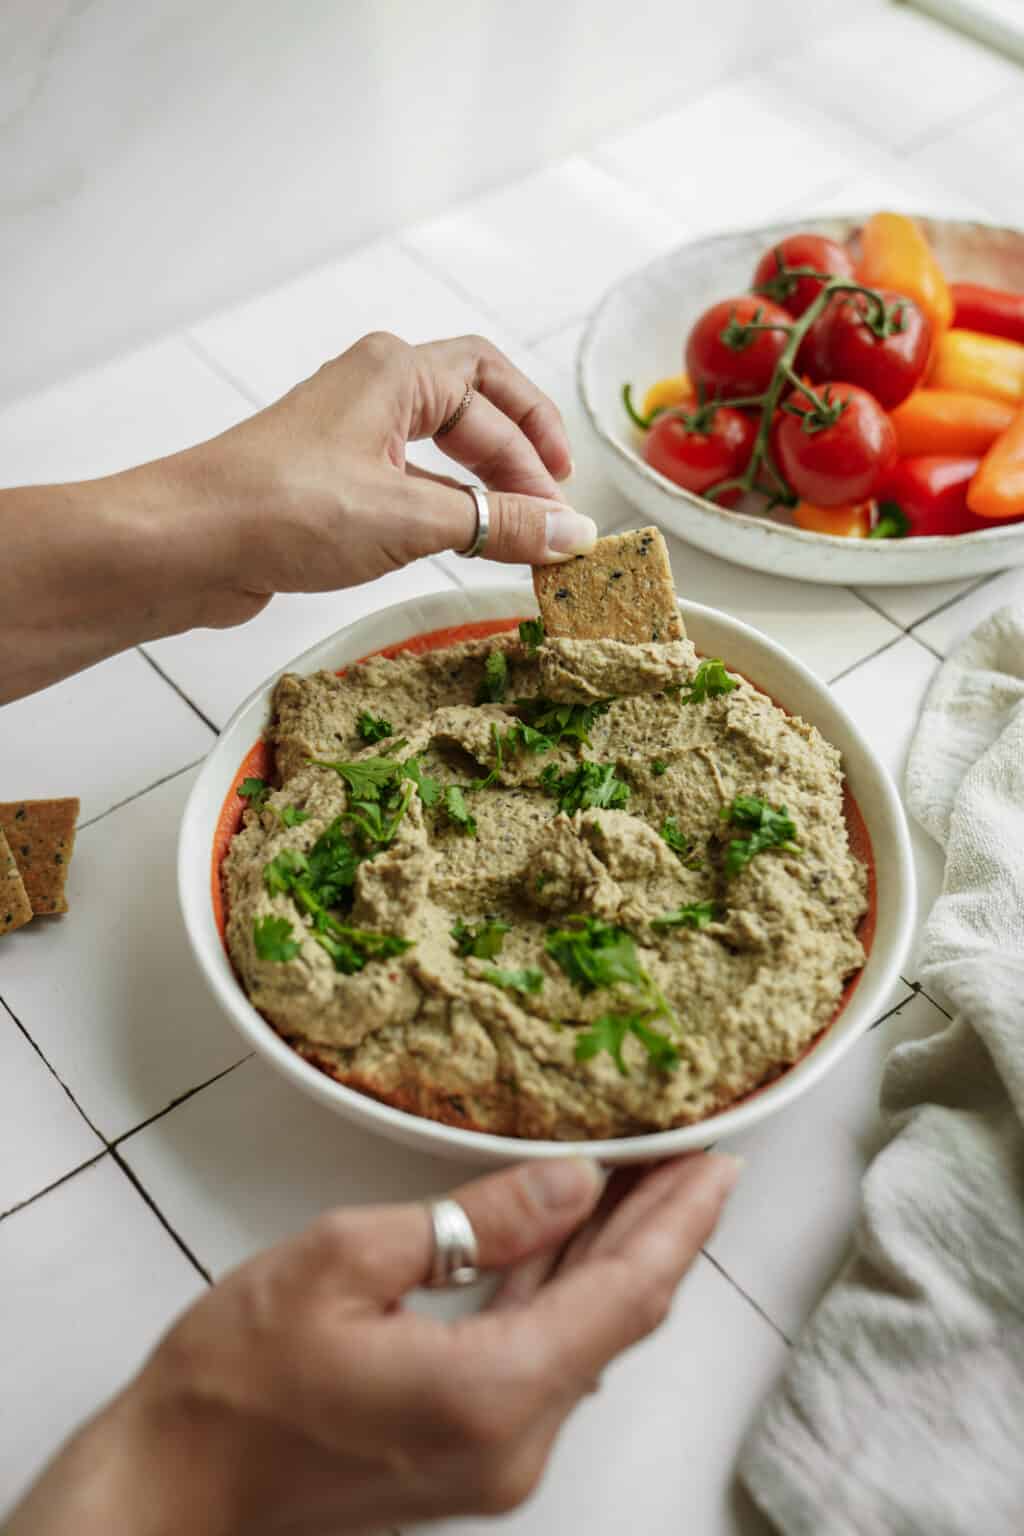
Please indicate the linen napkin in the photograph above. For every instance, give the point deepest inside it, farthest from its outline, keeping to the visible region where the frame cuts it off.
(901, 1412)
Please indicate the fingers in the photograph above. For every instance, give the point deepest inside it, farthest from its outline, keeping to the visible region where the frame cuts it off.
(593, 1310)
(498, 452)
(525, 530)
(448, 368)
(384, 1251)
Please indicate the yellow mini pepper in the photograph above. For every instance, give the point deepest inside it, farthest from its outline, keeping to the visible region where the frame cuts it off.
(979, 365)
(676, 390)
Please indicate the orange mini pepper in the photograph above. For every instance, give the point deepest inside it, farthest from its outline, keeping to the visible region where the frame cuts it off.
(842, 522)
(979, 365)
(896, 255)
(948, 421)
(997, 489)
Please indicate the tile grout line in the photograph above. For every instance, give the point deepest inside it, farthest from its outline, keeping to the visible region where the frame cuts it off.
(47, 1189)
(158, 669)
(52, 1070)
(958, 120)
(747, 1297)
(130, 799)
(896, 1007)
(217, 367)
(144, 1194)
(871, 656)
(439, 274)
(175, 1103)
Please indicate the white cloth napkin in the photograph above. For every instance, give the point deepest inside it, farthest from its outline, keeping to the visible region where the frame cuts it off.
(901, 1412)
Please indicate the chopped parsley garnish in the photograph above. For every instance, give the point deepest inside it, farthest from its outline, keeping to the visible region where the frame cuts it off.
(658, 767)
(525, 980)
(291, 816)
(428, 789)
(379, 823)
(458, 811)
(495, 679)
(273, 938)
(608, 1032)
(352, 948)
(768, 829)
(255, 791)
(696, 914)
(531, 633)
(484, 942)
(589, 785)
(709, 680)
(681, 846)
(522, 735)
(332, 864)
(367, 777)
(594, 954)
(562, 721)
(373, 727)
(285, 869)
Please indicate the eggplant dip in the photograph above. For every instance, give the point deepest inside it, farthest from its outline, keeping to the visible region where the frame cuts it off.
(551, 888)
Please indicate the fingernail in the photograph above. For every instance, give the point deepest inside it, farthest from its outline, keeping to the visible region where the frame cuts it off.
(569, 532)
(730, 1169)
(569, 472)
(566, 1181)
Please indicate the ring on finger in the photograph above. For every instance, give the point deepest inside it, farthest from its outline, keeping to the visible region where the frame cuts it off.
(478, 543)
(456, 415)
(455, 1256)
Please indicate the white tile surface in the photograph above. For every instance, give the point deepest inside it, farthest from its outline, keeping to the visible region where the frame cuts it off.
(887, 180)
(139, 407)
(274, 341)
(218, 668)
(542, 251)
(102, 736)
(829, 628)
(42, 1135)
(907, 606)
(945, 630)
(984, 156)
(198, 1163)
(90, 1281)
(884, 696)
(786, 1229)
(860, 73)
(739, 156)
(653, 1450)
(111, 994)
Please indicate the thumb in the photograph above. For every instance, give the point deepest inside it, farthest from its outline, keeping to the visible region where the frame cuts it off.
(524, 530)
(514, 1214)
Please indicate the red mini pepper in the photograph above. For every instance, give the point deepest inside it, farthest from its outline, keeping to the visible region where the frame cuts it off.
(931, 492)
(994, 311)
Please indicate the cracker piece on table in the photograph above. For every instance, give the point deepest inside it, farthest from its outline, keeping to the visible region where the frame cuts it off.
(15, 907)
(41, 834)
(621, 590)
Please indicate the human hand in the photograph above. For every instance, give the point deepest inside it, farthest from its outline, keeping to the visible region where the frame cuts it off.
(299, 1396)
(319, 493)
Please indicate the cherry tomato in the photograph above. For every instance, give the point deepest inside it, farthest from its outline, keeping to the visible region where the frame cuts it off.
(773, 281)
(835, 455)
(730, 361)
(697, 449)
(886, 355)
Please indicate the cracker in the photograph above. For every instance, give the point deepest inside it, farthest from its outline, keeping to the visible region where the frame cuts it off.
(42, 838)
(15, 907)
(622, 590)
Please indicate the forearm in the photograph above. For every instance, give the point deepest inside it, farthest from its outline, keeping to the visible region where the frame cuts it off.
(91, 568)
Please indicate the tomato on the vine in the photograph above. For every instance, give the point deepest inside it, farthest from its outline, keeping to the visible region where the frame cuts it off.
(773, 276)
(698, 448)
(884, 350)
(727, 352)
(834, 447)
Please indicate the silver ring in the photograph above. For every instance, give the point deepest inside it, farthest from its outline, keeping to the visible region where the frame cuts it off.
(483, 524)
(455, 1246)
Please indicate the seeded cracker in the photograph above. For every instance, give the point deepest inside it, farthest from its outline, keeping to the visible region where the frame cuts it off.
(41, 834)
(622, 590)
(15, 907)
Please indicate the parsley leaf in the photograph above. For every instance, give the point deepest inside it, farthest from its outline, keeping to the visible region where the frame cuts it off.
(352, 948)
(531, 633)
(255, 791)
(428, 789)
(495, 679)
(563, 721)
(332, 865)
(282, 873)
(526, 980)
(709, 680)
(367, 778)
(591, 784)
(596, 954)
(291, 816)
(658, 767)
(484, 942)
(697, 914)
(373, 727)
(522, 735)
(608, 1032)
(458, 811)
(768, 829)
(681, 846)
(272, 937)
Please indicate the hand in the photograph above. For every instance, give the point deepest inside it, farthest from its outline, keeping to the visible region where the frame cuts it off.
(299, 1396)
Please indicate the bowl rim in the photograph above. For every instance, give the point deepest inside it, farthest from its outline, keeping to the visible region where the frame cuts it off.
(925, 543)
(196, 834)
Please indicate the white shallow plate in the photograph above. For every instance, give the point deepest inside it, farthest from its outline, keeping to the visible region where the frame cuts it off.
(713, 633)
(636, 335)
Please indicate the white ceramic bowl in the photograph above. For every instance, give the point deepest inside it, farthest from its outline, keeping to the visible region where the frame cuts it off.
(713, 633)
(636, 336)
